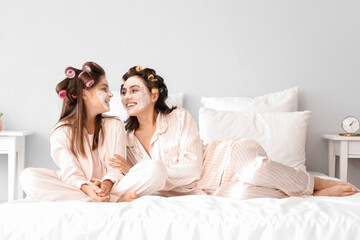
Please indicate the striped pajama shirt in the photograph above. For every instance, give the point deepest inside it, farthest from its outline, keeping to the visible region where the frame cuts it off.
(236, 168)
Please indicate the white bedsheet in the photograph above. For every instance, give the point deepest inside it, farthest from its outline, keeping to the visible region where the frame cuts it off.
(186, 217)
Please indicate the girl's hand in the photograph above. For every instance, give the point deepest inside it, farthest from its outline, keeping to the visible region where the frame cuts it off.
(120, 163)
(91, 191)
(105, 188)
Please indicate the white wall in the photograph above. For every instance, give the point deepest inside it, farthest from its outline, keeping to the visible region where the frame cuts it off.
(201, 47)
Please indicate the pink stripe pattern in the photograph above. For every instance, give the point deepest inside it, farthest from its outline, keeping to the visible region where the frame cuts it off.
(236, 168)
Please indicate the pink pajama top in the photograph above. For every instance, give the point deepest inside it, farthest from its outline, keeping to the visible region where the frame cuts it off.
(94, 166)
(226, 166)
(176, 143)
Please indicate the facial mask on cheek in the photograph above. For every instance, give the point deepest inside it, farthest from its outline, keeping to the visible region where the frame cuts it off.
(142, 99)
(102, 98)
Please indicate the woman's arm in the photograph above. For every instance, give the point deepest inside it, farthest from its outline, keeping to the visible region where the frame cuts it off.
(188, 167)
(114, 174)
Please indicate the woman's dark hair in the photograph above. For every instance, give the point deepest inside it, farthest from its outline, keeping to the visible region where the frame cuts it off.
(73, 113)
(152, 81)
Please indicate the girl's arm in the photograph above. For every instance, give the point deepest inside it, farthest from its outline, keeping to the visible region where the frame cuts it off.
(71, 171)
(70, 168)
(189, 165)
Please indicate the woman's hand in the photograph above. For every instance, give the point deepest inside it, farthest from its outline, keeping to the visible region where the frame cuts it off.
(105, 188)
(120, 163)
(91, 190)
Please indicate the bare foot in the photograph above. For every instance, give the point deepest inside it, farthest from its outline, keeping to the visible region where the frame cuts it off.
(321, 183)
(127, 198)
(339, 190)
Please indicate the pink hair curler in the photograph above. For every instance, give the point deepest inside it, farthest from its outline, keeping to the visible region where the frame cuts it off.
(87, 69)
(70, 73)
(80, 74)
(73, 96)
(90, 83)
(62, 94)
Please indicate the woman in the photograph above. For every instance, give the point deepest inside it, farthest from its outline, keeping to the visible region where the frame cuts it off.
(82, 142)
(233, 168)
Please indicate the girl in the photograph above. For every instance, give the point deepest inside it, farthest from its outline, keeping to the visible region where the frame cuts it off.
(232, 168)
(82, 141)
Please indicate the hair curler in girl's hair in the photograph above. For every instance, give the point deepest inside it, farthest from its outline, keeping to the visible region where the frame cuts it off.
(73, 113)
(62, 94)
(86, 69)
(90, 83)
(70, 73)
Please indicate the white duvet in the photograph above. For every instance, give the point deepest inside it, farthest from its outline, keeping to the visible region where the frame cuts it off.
(186, 217)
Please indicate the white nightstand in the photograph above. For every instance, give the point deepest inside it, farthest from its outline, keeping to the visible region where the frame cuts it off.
(345, 148)
(12, 142)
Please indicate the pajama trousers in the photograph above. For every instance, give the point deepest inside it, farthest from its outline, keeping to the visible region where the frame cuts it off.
(145, 178)
(241, 169)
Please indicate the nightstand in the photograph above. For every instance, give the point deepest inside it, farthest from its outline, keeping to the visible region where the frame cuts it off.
(345, 148)
(12, 143)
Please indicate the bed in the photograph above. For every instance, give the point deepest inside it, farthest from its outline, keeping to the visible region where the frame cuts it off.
(185, 217)
(204, 217)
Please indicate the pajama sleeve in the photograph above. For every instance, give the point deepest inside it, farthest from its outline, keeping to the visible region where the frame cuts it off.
(69, 165)
(188, 167)
(119, 143)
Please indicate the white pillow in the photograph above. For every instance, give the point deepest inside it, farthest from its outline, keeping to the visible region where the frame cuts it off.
(284, 101)
(117, 109)
(281, 134)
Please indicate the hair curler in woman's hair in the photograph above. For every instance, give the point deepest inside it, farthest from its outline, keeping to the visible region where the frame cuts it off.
(150, 77)
(155, 84)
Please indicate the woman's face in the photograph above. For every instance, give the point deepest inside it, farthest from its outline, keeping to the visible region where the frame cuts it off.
(99, 97)
(135, 96)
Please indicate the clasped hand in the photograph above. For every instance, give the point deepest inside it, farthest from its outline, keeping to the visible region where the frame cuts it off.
(98, 191)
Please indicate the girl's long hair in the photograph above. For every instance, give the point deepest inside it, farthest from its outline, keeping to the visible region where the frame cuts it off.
(73, 113)
(151, 80)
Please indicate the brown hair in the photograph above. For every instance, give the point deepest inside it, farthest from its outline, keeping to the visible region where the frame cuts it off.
(152, 81)
(73, 113)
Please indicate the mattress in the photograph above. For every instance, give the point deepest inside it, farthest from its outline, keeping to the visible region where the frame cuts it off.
(185, 217)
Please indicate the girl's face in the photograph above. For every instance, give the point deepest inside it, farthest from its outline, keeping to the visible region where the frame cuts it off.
(135, 96)
(99, 97)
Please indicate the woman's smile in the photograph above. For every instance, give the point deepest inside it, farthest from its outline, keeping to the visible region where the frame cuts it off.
(131, 104)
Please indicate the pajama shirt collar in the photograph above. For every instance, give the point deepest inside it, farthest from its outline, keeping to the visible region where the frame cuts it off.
(161, 127)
